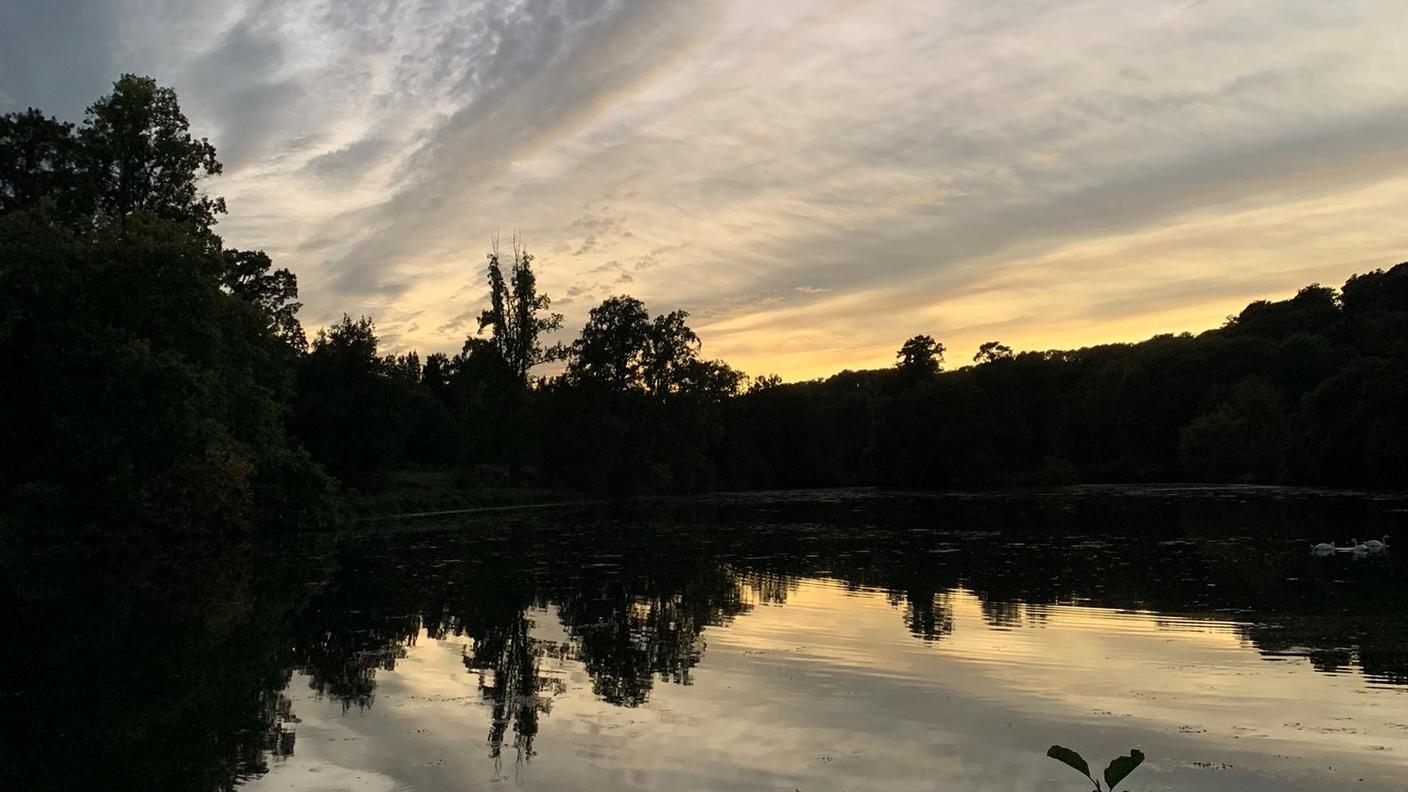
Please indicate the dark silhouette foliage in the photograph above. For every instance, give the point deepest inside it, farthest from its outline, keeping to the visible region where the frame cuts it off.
(637, 409)
(611, 349)
(148, 370)
(518, 315)
(1308, 390)
(992, 351)
(920, 357)
(248, 276)
(38, 161)
(137, 155)
(160, 376)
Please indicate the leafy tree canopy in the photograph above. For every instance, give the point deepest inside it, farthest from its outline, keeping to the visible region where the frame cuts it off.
(920, 356)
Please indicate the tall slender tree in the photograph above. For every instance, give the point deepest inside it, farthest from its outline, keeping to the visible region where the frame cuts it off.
(518, 316)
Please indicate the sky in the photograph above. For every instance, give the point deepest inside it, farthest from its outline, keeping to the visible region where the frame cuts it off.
(812, 181)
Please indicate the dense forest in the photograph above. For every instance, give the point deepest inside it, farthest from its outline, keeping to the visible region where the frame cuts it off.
(155, 376)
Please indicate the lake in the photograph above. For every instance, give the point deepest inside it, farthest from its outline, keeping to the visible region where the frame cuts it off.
(837, 640)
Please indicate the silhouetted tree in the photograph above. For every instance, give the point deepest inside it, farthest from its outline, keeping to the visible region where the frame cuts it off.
(765, 382)
(248, 275)
(712, 380)
(919, 357)
(486, 399)
(149, 373)
(611, 348)
(137, 154)
(436, 375)
(363, 415)
(518, 318)
(1314, 309)
(990, 351)
(38, 161)
(518, 315)
(671, 348)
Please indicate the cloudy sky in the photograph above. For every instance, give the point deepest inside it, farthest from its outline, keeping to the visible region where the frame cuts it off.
(813, 181)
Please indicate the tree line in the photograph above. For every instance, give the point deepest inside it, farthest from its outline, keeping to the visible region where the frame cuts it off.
(156, 376)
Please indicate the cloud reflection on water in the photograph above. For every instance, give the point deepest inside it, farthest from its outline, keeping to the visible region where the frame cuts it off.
(830, 691)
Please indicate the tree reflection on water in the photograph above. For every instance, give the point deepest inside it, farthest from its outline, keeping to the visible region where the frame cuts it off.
(166, 667)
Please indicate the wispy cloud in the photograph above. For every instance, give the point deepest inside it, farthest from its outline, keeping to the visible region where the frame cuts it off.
(813, 180)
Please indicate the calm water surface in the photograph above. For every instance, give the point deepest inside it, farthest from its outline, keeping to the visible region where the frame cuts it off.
(811, 641)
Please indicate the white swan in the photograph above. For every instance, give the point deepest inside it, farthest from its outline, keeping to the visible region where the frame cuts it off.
(1376, 545)
(1323, 549)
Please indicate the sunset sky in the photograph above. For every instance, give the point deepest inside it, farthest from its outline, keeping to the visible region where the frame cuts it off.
(813, 181)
